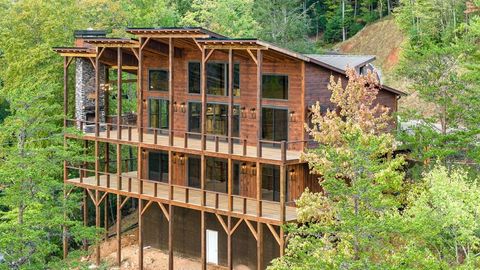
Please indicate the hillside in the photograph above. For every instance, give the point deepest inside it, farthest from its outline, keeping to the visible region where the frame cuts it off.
(382, 38)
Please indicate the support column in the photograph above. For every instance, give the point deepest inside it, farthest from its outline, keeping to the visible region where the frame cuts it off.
(203, 242)
(283, 178)
(170, 237)
(119, 230)
(65, 90)
(140, 91)
(97, 225)
(230, 101)
(229, 243)
(119, 92)
(170, 91)
(119, 166)
(140, 234)
(65, 230)
(105, 217)
(260, 246)
(97, 94)
(259, 101)
(203, 91)
(85, 217)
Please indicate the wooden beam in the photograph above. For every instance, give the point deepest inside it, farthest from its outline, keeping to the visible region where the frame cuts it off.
(208, 55)
(79, 55)
(135, 52)
(124, 202)
(250, 226)
(230, 101)
(283, 188)
(236, 225)
(170, 91)
(164, 210)
(119, 166)
(105, 218)
(140, 91)
(119, 93)
(222, 222)
(119, 230)
(170, 237)
(174, 35)
(252, 56)
(65, 91)
(140, 234)
(203, 241)
(259, 102)
(125, 67)
(274, 233)
(97, 99)
(233, 47)
(102, 198)
(97, 225)
(146, 207)
(91, 196)
(198, 44)
(85, 217)
(260, 246)
(229, 244)
(203, 91)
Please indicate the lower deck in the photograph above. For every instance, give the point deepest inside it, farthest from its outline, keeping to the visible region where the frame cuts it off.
(187, 196)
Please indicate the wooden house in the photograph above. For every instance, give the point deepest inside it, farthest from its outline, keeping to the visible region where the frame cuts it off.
(203, 131)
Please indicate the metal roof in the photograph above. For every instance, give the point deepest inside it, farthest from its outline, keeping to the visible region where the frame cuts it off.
(342, 61)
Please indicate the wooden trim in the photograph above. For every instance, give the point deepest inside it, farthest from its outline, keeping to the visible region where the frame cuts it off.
(252, 56)
(260, 246)
(170, 237)
(140, 234)
(170, 90)
(146, 207)
(259, 102)
(119, 229)
(203, 242)
(208, 55)
(91, 196)
(102, 198)
(80, 55)
(124, 202)
(97, 225)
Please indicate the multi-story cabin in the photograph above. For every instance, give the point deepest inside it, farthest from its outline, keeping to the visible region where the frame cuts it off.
(203, 131)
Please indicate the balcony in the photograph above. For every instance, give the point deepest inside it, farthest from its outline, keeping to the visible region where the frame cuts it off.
(270, 150)
(128, 184)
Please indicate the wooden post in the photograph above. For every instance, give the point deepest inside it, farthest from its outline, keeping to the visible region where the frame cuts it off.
(107, 163)
(230, 184)
(65, 231)
(203, 242)
(105, 217)
(119, 166)
(140, 234)
(170, 237)
(140, 91)
(170, 91)
(119, 230)
(230, 99)
(259, 188)
(97, 162)
(97, 225)
(229, 243)
(119, 92)
(65, 90)
(203, 90)
(283, 178)
(203, 170)
(85, 217)
(97, 93)
(260, 246)
(259, 102)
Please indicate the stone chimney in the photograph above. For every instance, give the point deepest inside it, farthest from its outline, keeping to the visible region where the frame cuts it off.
(85, 84)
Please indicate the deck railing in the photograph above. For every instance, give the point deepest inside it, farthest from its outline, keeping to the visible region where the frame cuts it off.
(126, 182)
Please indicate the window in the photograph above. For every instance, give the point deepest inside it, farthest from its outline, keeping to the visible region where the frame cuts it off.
(275, 86)
(158, 166)
(158, 113)
(274, 124)
(271, 182)
(157, 80)
(194, 116)
(194, 77)
(217, 119)
(216, 174)
(217, 78)
(194, 170)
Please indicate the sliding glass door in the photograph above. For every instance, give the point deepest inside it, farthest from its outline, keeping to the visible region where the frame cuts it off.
(274, 124)
(158, 113)
(158, 166)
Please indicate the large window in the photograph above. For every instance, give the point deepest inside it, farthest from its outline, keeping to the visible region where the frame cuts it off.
(157, 80)
(194, 171)
(194, 116)
(274, 124)
(217, 78)
(275, 86)
(158, 113)
(271, 182)
(217, 119)
(158, 166)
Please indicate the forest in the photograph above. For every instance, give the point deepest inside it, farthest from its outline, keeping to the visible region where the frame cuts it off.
(408, 199)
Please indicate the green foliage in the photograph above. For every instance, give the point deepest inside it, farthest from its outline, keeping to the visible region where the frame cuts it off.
(441, 63)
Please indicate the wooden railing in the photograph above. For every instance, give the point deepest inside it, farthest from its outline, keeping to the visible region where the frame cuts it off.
(195, 140)
(177, 193)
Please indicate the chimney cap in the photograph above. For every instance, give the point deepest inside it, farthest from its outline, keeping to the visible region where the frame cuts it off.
(90, 33)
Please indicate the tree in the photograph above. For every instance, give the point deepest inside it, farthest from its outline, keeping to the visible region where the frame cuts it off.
(351, 226)
(232, 18)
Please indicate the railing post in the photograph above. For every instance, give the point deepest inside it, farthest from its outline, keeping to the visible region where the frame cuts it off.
(107, 126)
(244, 147)
(129, 133)
(283, 150)
(185, 140)
(155, 135)
(216, 143)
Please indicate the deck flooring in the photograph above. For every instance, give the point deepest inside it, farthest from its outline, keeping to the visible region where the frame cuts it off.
(268, 152)
(270, 210)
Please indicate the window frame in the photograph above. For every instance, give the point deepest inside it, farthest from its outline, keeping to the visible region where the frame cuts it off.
(226, 94)
(277, 108)
(149, 77)
(288, 86)
(149, 112)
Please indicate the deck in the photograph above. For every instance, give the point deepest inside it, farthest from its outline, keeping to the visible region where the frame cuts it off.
(214, 144)
(188, 196)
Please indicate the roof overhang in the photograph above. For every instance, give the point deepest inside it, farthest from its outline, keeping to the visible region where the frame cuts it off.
(113, 42)
(75, 51)
(173, 32)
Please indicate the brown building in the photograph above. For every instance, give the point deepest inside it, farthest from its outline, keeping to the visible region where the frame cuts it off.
(204, 132)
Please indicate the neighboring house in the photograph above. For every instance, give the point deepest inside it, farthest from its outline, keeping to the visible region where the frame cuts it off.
(212, 151)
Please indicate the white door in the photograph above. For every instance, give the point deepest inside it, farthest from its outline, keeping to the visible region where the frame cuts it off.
(212, 247)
